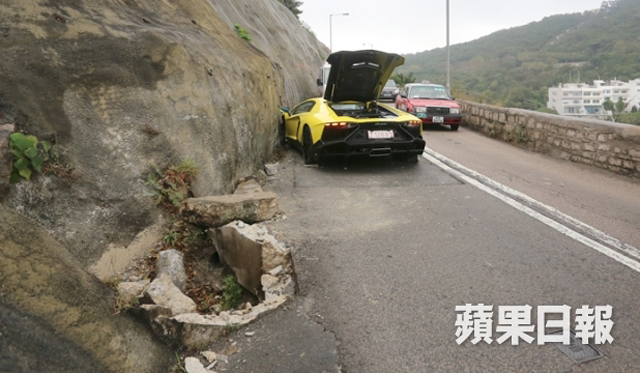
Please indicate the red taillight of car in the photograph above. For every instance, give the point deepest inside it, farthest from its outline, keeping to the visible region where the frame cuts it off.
(414, 123)
(339, 124)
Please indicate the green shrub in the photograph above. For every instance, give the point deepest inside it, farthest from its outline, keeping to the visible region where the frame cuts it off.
(244, 34)
(231, 293)
(28, 155)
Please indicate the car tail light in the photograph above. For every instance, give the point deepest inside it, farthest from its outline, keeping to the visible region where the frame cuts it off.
(339, 124)
(413, 123)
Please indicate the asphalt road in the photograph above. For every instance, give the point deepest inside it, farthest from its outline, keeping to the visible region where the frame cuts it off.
(386, 251)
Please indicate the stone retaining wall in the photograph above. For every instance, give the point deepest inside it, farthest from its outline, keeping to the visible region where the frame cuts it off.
(608, 145)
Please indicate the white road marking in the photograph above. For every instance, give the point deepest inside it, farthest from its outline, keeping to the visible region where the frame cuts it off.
(501, 193)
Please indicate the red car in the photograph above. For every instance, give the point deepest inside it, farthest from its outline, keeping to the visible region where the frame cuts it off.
(431, 103)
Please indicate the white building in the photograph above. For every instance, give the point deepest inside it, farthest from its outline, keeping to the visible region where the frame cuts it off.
(584, 100)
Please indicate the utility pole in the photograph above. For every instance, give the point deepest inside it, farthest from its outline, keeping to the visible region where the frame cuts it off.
(448, 54)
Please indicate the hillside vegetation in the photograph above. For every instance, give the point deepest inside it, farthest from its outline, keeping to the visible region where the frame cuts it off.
(515, 67)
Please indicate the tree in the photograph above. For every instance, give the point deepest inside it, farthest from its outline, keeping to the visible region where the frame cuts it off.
(620, 105)
(402, 79)
(616, 109)
(634, 109)
(293, 6)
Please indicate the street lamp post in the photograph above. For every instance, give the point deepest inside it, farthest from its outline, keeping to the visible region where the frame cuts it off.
(330, 28)
(448, 54)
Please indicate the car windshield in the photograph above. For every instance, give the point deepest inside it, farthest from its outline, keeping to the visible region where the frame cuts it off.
(433, 92)
(390, 84)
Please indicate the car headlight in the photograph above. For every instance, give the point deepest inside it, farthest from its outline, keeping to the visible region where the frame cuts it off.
(455, 111)
(395, 92)
(421, 109)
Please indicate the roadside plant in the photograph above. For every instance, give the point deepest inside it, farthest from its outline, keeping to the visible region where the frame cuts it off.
(173, 185)
(231, 293)
(170, 237)
(28, 155)
(243, 33)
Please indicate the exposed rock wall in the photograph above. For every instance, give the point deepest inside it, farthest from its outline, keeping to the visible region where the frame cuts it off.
(119, 85)
(102, 77)
(607, 145)
(55, 317)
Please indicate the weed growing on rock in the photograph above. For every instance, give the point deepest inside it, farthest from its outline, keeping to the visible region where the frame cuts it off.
(173, 185)
(170, 237)
(28, 155)
(231, 293)
(243, 33)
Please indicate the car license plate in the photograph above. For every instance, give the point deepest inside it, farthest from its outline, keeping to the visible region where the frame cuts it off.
(380, 134)
(421, 115)
(438, 120)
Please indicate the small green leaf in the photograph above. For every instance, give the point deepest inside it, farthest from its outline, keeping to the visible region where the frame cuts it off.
(20, 141)
(26, 173)
(46, 145)
(22, 164)
(36, 162)
(16, 153)
(31, 152)
(32, 139)
(14, 178)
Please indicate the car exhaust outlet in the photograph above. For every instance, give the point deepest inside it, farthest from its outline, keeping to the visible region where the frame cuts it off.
(380, 152)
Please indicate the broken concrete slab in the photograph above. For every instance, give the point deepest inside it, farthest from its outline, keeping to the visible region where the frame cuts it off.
(250, 251)
(171, 262)
(275, 287)
(194, 330)
(216, 211)
(164, 293)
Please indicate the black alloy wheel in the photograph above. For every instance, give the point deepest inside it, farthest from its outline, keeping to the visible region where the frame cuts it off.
(307, 146)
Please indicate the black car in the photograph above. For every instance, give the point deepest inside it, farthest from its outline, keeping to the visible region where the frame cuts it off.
(390, 90)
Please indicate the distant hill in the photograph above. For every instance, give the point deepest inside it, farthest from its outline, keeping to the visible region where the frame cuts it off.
(515, 67)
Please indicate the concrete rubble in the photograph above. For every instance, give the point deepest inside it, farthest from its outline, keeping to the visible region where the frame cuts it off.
(261, 264)
(130, 292)
(164, 293)
(193, 365)
(172, 263)
(271, 168)
(248, 187)
(216, 211)
(250, 251)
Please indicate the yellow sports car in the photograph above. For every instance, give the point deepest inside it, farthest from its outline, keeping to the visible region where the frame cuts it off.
(348, 121)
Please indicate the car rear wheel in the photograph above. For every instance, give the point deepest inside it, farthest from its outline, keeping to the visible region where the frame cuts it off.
(282, 136)
(454, 127)
(307, 146)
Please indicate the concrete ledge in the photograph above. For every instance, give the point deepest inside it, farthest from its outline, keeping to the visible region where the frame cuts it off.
(607, 145)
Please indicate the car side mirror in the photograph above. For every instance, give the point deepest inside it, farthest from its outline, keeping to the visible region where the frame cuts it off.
(319, 82)
(403, 96)
(285, 109)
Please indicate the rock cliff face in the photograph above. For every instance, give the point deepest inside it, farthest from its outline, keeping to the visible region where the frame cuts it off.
(119, 85)
(101, 78)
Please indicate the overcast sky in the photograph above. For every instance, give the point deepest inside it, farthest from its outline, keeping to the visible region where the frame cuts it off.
(410, 26)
